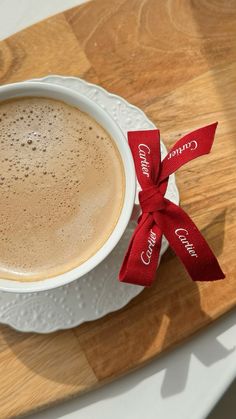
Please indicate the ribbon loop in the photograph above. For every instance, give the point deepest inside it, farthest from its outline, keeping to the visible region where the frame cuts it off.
(160, 216)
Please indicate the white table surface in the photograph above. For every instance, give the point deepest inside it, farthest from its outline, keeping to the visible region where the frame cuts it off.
(185, 383)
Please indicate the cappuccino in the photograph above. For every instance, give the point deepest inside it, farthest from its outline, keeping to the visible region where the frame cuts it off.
(62, 188)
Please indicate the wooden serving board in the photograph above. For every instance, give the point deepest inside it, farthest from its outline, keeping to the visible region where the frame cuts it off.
(175, 60)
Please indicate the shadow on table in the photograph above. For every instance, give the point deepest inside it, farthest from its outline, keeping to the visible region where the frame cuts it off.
(226, 404)
(175, 371)
(138, 324)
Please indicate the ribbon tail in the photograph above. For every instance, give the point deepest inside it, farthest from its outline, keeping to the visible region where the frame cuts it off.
(141, 260)
(145, 148)
(193, 145)
(188, 243)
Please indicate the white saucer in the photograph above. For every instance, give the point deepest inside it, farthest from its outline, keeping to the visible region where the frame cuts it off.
(99, 292)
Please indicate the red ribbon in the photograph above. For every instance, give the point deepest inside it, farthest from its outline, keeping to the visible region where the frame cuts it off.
(161, 216)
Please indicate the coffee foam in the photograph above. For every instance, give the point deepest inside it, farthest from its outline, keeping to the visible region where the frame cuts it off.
(62, 188)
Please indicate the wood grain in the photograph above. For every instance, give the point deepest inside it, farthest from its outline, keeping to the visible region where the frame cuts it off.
(31, 373)
(177, 61)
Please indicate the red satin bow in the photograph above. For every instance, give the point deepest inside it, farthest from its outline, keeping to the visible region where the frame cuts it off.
(161, 216)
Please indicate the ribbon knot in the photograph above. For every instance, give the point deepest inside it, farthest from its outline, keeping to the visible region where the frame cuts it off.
(161, 216)
(151, 200)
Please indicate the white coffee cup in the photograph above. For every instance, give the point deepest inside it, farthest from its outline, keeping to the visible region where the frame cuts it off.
(38, 89)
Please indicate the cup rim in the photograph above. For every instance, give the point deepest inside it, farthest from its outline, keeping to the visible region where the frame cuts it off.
(37, 88)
